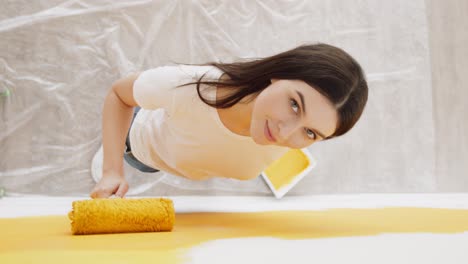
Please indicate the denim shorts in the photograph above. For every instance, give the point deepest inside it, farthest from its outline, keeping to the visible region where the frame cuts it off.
(128, 156)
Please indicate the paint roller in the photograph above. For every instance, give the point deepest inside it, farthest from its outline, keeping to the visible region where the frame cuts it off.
(121, 215)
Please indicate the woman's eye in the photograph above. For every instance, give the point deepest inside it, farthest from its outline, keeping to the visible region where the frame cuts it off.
(310, 133)
(294, 105)
(295, 108)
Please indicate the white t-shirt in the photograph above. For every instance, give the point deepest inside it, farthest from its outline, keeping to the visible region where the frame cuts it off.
(177, 132)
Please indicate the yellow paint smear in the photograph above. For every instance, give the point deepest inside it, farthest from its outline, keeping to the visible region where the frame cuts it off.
(49, 239)
(282, 171)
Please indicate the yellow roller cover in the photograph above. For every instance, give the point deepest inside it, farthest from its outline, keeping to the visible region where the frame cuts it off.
(121, 215)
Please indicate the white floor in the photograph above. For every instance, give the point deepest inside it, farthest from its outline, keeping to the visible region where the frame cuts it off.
(382, 249)
(43, 205)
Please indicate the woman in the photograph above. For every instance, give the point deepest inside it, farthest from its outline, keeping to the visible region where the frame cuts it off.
(226, 119)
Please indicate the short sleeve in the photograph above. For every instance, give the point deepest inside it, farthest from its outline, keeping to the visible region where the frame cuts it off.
(155, 88)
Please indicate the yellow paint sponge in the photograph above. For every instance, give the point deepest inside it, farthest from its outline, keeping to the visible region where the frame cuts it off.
(121, 215)
(288, 170)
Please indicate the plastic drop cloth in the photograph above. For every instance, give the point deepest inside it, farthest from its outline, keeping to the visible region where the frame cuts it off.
(58, 59)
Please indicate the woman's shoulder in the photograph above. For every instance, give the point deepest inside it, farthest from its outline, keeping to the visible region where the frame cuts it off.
(180, 72)
(197, 71)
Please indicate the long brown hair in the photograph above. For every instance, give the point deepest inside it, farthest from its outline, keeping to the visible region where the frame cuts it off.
(330, 70)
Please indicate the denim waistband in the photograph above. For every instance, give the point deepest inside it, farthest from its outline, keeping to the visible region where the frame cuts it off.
(128, 155)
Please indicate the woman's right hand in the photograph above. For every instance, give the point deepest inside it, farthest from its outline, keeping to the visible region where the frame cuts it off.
(116, 119)
(110, 183)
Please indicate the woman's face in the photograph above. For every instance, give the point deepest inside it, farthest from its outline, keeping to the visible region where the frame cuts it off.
(292, 114)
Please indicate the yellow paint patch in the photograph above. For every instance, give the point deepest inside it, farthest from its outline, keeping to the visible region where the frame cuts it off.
(49, 239)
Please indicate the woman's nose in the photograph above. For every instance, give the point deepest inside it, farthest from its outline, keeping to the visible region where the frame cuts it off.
(287, 130)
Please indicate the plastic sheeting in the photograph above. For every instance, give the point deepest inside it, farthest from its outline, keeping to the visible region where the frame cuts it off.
(59, 58)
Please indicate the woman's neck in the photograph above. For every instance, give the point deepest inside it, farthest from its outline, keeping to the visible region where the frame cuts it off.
(236, 118)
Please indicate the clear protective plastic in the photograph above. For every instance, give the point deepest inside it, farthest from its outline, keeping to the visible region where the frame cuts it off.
(58, 59)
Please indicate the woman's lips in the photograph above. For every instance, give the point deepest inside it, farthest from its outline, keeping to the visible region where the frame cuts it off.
(268, 134)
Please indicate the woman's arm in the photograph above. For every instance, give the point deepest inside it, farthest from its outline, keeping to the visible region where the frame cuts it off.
(116, 119)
